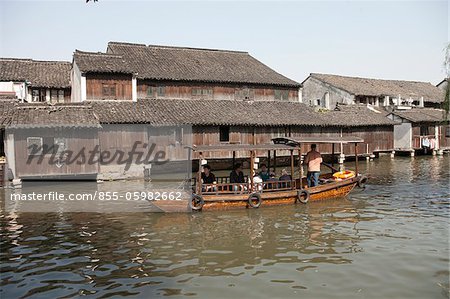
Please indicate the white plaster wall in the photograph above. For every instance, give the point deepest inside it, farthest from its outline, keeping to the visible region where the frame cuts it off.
(314, 89)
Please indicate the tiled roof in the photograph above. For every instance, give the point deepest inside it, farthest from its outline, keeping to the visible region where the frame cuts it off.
(200, 65)
(49, 74)
(377, 87)
(42, 116)
(7, 107)
(422, 115)
(357, 115)
(209, 112)
(100, 63)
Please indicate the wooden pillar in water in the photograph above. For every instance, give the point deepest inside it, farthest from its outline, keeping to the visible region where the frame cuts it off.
(356, 158)
(252, 168)
(198, 184)
(292, 167)
(300, 165)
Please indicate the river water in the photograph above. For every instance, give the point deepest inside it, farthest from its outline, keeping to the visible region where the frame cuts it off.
(390, 240)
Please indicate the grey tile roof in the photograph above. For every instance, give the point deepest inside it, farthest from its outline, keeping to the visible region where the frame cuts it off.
(7, 107)
(43, 116)
(200, 65)
(377, 87)
(162, 112)
(357, 115)
(50, 74)
(417, 115)
(90, 62)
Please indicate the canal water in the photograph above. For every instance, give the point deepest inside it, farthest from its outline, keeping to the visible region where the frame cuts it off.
(390, 240)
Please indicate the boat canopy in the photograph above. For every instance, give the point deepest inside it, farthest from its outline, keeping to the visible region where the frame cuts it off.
(319, 139)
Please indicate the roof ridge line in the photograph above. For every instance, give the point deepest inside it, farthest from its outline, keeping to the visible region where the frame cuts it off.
(177, 47)
(367, 78)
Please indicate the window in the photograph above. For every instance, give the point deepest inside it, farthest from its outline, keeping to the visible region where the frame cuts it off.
(202, 91)
(150, 91)
(179, 135)
(160, 91)
(53, 95)
(109, 90)
(224, 134)
(423, 130)
(447, 131)
(35, 95)
(281, 95)
(60, 96)
(34, 145)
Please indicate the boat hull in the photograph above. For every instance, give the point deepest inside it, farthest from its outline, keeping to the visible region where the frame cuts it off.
(322, 192)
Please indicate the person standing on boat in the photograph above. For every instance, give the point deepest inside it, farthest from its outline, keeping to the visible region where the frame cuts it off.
(313, 159)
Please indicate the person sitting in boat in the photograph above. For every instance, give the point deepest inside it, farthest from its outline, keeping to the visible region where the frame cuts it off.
(272, 178)
(313, 159)
(208, 178)
(264, 173)
(237, 176)
(285, 179)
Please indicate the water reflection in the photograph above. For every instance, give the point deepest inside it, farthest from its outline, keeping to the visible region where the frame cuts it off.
(390, 240)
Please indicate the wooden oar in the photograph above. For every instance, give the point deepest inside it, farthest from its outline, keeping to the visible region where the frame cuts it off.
(331, 167)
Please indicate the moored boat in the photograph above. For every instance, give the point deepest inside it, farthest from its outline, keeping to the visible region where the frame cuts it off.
(255, 193)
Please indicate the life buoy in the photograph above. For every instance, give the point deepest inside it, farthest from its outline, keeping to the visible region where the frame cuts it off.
(196, 203)
(252, 198)
(344, 174)
(362, 181)
(303, 196)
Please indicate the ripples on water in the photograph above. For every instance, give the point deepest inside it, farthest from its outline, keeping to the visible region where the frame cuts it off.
(389, 241)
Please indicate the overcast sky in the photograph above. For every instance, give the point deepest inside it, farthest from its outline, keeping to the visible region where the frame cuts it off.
(380, 39)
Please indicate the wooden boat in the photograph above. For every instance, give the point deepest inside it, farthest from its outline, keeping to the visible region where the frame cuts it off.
(253, 194)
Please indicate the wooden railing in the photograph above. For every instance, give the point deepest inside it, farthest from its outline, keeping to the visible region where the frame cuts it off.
(244, 188)
(417, 140)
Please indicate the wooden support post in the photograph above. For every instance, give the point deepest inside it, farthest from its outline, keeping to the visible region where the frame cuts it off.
(300, 165)
(332, 154)
(252, 169)
(234, 159)
(292, 167)
(356, 158)
(268, 160)
(274, 161)
(199, 174)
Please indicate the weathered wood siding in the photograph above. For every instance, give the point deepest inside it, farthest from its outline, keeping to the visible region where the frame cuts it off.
(95, 84)
(376, 138)
(76, 141)
(187, 90)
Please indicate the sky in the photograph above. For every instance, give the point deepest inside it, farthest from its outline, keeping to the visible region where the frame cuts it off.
(402, 40)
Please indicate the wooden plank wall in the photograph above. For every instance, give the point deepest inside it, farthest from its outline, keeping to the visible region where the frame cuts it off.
(177, 90)
(76, 139)
(94, 86)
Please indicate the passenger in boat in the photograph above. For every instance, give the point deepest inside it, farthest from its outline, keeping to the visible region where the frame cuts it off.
(208, 178)
(237, 176)
(313, 159)
(271, 180)
(264, 173)
(285, 179)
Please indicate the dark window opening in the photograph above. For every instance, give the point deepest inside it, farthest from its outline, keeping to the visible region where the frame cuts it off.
(423, 130)
(447, 131)
(224, 134)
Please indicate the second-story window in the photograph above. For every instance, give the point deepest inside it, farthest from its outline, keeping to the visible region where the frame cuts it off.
(281, 95)
(109, 90)
(150, 91)
(161, 91)
(224, 134)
